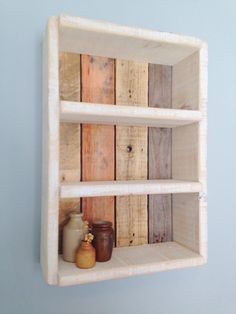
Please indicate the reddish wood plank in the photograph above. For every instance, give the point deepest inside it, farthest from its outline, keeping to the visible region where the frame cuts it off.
(98, 140)
(160, 212)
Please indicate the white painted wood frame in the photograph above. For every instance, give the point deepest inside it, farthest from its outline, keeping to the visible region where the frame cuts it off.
(188, 118)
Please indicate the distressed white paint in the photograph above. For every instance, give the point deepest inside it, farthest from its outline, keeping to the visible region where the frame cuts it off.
(126, 115)
(130, 187)
(101, 38)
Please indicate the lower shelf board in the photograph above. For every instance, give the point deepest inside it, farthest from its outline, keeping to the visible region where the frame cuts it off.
(131, 261)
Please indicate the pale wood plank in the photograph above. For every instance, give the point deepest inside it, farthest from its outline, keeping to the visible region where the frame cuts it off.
(130, 187)
(126, 115)
(131, 154)
(122, 42)
(98, 140)
(69, 73)
(131, 261)
(50, 171)
(159, 166)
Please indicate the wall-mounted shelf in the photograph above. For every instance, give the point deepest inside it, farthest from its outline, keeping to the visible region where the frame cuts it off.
(124, 115)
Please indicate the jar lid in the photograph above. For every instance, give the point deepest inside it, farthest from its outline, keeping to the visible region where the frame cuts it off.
(101, 223)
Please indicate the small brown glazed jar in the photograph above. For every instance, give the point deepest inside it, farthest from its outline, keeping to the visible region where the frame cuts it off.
(103, 240)
(85, 256)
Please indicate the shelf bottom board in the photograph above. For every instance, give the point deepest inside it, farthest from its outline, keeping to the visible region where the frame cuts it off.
(131, 261)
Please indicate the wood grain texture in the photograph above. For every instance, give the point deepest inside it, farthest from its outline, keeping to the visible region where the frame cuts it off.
(131, 154)
(69, 75)
(98, 140)
(159, 166)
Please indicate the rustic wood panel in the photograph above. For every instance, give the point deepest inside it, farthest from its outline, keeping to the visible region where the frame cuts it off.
(131, 154)
(159, 166)
(98, 140)
(69, 71)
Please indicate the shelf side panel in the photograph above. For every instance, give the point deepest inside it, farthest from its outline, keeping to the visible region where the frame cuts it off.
(131, 154)
(69, 65)
(186, 220)
(98, 140)
(159, 209)
(50, 175)
(203, 81)
(185, 83)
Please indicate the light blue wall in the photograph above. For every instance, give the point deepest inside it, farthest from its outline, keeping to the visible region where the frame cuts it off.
(205, 290)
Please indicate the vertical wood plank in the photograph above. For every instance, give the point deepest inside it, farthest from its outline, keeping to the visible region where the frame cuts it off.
(98, 140)
(131, 154)
(50, 158)
(69, 69)
(160, 212)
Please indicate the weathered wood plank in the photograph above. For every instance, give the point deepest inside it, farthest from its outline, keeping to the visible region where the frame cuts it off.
(98, 140)
(131, 154)
(159, 166)
(69, 69)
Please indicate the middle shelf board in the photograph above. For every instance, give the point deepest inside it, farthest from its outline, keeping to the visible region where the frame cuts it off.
(80, 112)
(131, 187)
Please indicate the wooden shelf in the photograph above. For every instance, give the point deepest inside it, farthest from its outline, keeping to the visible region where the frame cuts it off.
(132, 187)
(126, 115)
(130, 261)
(98, 73)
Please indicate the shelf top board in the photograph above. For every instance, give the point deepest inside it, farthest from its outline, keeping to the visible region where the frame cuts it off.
(131, 187)
(126, 115)
(100, 38)
(130, 261)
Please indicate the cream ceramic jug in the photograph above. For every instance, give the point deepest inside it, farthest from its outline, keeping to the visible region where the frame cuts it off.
(73, 232)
